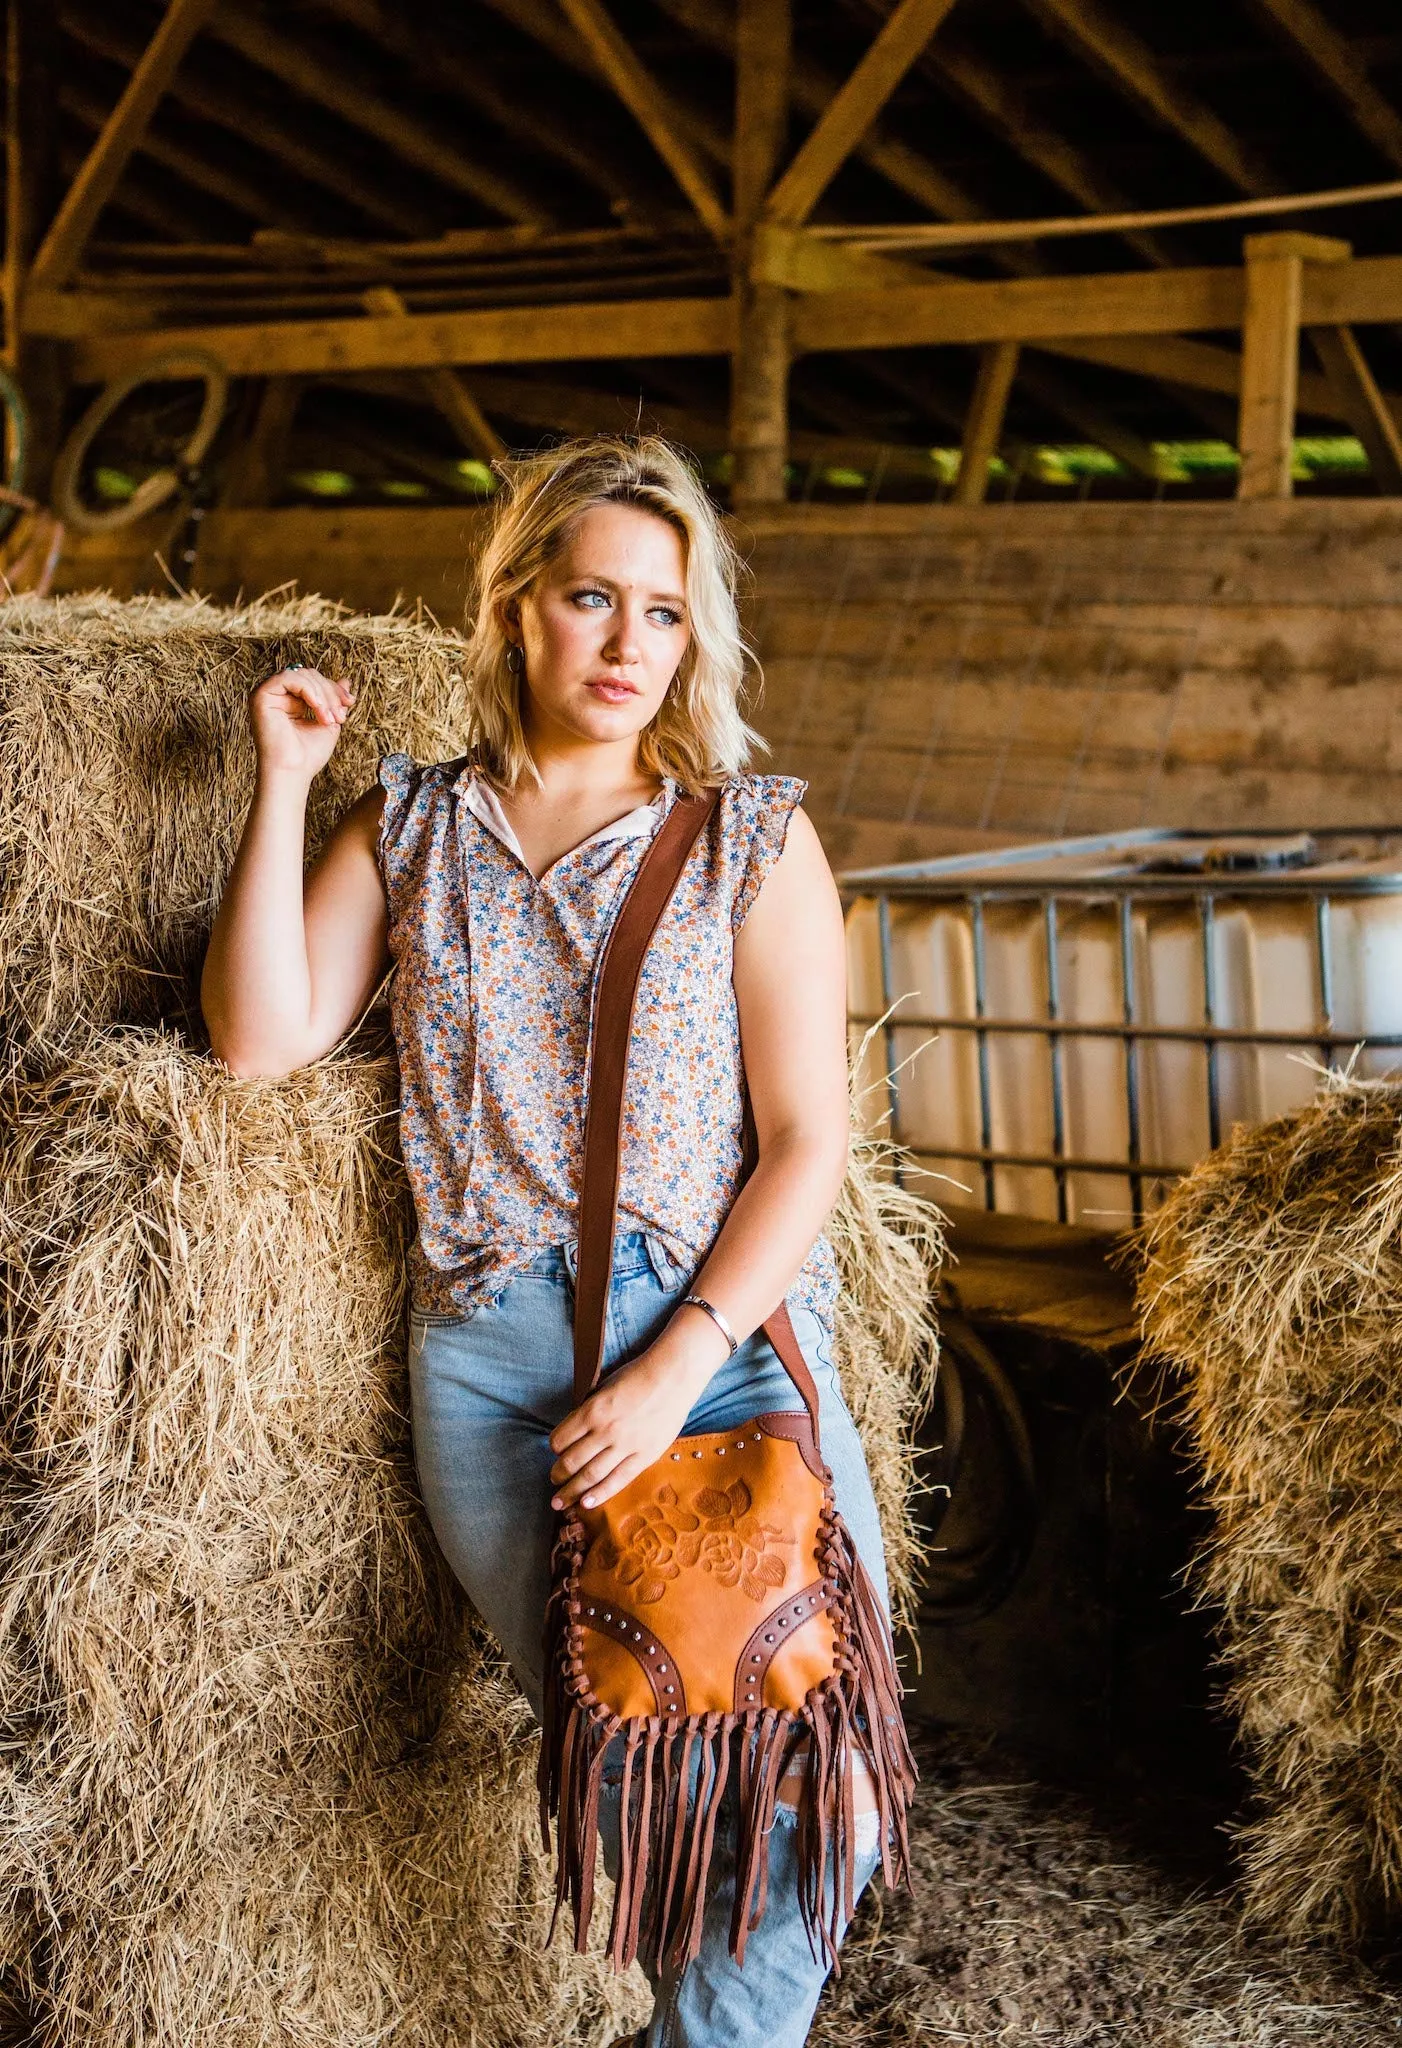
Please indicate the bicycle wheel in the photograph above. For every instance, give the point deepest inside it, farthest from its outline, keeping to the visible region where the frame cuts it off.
(16, 442)
(178, 365)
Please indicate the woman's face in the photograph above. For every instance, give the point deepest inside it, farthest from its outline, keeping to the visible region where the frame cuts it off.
(603, 628)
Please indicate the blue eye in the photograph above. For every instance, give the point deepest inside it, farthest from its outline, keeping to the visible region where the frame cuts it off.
(667, 616)
(583, 596)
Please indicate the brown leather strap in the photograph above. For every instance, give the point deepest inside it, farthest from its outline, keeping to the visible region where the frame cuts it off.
(619, 973)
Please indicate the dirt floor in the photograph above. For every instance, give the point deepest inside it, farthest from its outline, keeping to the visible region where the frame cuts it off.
(1089, 1917)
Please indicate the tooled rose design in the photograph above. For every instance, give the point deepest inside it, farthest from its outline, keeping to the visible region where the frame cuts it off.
(657, 1540)
(663, 1538)
(736, 1545)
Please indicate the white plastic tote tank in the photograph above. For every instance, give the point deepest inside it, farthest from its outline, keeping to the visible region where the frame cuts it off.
(1059, 1030)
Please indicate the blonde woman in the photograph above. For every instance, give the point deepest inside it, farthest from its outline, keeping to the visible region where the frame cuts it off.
(605, 676)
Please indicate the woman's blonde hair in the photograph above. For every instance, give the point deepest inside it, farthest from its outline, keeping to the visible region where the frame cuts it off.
(698, 736)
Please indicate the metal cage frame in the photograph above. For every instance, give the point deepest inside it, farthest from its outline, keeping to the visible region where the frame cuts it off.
(939, 881)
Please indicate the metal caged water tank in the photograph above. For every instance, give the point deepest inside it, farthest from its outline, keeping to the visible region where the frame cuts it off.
(1068, 1026)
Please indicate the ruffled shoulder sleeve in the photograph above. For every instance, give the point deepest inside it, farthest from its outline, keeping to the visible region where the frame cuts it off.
(398, 776)
(755, 813)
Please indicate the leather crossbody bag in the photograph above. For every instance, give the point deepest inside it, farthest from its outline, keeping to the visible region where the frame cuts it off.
(713, 1617)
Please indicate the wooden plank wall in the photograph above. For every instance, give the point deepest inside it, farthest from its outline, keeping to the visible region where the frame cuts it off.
(949, 677)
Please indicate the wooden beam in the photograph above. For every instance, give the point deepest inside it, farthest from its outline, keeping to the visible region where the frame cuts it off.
(1270, 356)
(505, 334)
(1365, 292)
(1086, 317)
(1022, 309)
(405, 134)
(992, 389)
(1121, 56)
(796, 259)
(759, 370)
(850, 114)
(241, 116)
(94, 185)
(1361, 402)
(1332, 58)
(649, 105)
(445, 389)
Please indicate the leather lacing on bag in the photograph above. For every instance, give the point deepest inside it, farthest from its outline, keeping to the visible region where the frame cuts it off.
(676, 1767)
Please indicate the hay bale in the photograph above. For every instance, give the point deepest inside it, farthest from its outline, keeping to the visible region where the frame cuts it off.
(263, 1782)
(126, 770)
(1273, 1282)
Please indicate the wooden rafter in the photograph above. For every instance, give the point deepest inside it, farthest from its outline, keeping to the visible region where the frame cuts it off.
(813, 92)
(448, 69)
(408, 137)
(854, 107)
(1333, 60)
(240, 115)
(985, 89)
(199, 172)
(141, 199)
(62, 248)
(650, 107)
(543, 22)
(1129, 63)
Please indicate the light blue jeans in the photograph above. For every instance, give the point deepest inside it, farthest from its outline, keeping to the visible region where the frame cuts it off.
(487, 1389)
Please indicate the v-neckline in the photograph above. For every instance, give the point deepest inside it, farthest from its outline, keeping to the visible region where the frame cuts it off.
(642, 821)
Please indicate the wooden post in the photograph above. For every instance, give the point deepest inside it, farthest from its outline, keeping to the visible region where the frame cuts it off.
(983, 431)
(32, 191)
(1270, 355)
(759, 377)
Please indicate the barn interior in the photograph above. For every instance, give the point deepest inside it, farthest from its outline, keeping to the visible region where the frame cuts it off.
(1045, 357)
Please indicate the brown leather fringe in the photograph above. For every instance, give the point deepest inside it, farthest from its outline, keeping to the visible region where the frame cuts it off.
(667, 1833)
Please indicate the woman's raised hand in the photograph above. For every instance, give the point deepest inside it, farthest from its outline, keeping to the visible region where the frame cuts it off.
(297, 717)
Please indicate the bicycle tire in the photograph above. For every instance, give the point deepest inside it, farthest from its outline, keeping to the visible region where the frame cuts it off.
(156, 489)
(16, 413)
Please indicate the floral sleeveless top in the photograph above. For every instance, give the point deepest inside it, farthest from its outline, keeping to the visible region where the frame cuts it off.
(492, 1005)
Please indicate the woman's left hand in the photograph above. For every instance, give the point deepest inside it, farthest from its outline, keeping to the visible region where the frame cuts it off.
(628, 1422)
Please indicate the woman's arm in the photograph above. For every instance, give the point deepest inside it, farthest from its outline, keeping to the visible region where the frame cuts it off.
(290, 966)
(791, 988)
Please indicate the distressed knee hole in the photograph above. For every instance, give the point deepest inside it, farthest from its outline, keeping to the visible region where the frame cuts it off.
(791, 1784)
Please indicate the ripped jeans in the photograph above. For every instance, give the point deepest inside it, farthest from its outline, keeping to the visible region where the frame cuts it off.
(487, 1390)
